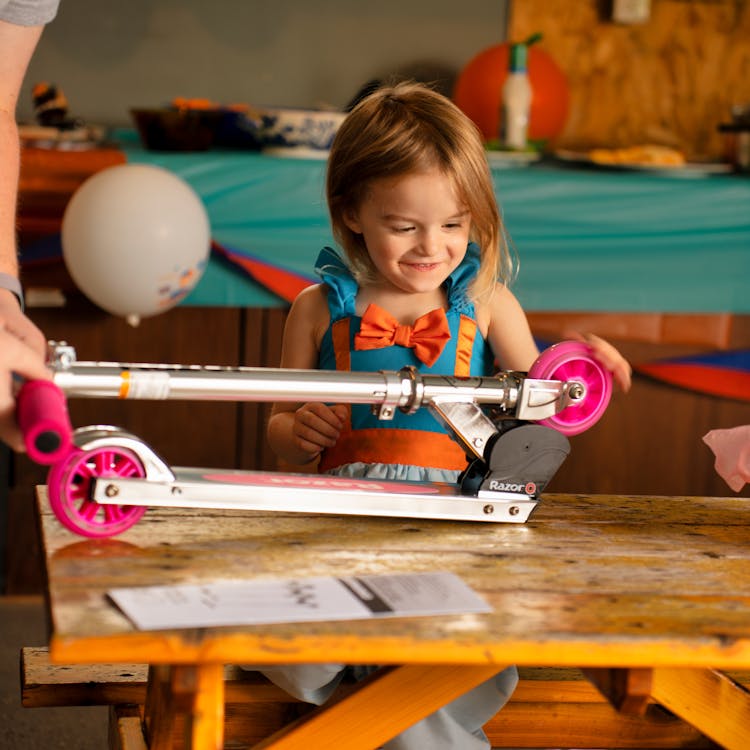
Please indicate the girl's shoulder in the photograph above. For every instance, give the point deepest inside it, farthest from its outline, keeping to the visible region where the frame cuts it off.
(499, 304)
(312, 301)
(309, 317)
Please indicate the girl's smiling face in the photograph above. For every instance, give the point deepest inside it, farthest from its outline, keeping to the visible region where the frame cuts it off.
(415, 228)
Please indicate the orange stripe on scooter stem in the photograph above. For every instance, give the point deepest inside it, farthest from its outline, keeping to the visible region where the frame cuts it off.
(124, 384)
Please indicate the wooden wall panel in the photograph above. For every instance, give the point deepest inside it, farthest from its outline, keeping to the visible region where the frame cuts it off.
(185, 433)
(649, 442)
(262, 336)
(671, 80)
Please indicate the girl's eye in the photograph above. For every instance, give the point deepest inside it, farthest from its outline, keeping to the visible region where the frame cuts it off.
(404, 229)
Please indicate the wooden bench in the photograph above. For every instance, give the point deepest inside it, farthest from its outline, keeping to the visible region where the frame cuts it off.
(550, 708)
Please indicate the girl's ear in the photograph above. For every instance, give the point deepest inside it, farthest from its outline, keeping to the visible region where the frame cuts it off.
(351, 219)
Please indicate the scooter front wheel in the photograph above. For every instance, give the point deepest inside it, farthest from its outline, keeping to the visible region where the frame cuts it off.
(69, 486)
(573, 361)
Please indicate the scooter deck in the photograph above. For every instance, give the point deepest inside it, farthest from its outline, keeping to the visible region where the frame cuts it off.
(313, 493)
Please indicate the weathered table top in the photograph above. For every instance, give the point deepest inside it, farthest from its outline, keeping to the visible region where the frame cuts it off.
(587, 581)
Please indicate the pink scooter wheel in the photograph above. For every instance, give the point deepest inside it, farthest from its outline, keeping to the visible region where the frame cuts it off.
(69, 484)
(573, 361)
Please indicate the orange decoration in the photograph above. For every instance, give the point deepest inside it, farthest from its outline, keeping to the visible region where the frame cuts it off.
(181, 102)
(479, 86)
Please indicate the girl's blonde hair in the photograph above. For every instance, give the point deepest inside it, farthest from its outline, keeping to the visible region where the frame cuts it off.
(406, 128)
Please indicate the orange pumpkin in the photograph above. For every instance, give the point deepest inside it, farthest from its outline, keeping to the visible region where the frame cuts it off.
(478, 92)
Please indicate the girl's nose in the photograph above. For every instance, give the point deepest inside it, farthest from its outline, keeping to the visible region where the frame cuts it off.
(429, 242)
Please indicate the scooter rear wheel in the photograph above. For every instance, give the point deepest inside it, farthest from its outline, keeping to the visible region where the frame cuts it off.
(69, 486)
(573, 361)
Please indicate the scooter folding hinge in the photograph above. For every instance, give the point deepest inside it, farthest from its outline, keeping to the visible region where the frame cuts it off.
(469, 426)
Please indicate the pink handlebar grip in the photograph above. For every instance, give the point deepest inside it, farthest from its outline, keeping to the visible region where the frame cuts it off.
(42, 414)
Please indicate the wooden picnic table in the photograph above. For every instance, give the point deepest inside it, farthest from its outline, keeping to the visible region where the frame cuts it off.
(649, 595)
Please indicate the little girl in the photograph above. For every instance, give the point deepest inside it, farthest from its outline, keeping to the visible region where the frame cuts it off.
(425, 283)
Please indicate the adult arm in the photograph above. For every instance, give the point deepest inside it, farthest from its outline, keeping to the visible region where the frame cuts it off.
(22, 344)
(18, 44)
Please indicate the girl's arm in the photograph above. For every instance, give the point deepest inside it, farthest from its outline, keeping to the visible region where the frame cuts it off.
(298, 432)
(507, 331)
(510, 339)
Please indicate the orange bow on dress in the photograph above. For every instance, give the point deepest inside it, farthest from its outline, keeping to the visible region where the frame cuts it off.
(427, 336)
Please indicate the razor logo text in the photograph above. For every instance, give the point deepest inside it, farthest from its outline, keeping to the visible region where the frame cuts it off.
(496, 486)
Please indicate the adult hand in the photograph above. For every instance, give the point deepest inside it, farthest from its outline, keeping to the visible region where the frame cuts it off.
(22, 352)
(15, 321)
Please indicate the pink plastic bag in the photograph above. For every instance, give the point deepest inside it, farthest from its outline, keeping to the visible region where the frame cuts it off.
(732, 450)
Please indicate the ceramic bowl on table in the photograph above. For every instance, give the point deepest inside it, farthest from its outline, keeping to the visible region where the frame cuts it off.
(299, 132)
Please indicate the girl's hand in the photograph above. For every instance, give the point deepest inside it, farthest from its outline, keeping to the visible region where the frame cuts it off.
(609, 357)
(317, 426)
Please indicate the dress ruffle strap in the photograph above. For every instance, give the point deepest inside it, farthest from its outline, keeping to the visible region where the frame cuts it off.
(342, 288)
(457, 284)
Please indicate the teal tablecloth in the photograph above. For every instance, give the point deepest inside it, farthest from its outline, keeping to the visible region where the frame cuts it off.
(586, 239)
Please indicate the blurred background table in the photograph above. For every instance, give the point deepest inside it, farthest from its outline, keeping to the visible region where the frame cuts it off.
(587, 239)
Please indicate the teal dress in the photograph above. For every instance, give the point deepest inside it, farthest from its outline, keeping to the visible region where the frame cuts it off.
(458, 725)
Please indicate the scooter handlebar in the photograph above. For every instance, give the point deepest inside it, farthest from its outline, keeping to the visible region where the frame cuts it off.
(42, 414)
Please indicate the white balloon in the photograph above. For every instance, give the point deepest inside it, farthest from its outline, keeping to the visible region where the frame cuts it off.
(136, 239)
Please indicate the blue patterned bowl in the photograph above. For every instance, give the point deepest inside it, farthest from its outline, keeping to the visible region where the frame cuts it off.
(299, 128)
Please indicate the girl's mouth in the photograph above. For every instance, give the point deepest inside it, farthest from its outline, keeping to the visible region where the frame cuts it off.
(422, 266)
